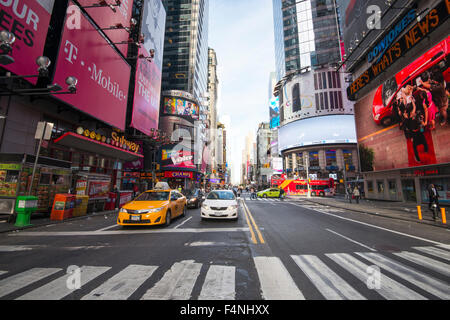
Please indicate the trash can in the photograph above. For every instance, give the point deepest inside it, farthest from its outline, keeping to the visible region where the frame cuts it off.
(25, 206)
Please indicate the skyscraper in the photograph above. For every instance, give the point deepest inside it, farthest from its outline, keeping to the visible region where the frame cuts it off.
(213, 83)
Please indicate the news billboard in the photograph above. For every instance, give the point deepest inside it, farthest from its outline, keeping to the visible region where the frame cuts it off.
(105, 18)
(103, 76)
(332, 129)
(180, 107)
(404, 122)
(28, 20)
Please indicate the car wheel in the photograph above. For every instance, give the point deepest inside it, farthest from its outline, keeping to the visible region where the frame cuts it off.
(184, 212)
(168, 218)
(264, 195)
(322, 194)
(313, 194)
(386, 121)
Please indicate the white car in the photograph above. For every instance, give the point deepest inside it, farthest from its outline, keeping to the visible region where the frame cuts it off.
(220, 204)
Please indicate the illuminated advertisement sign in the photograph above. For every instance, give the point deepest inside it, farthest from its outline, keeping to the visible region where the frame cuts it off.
(404, 122)
(180, 107)
(332, 129)
(420, 30)
(107, 18)
(28, 20)
(178, 174)
(177, 159)
(103, 76)
(274, 112)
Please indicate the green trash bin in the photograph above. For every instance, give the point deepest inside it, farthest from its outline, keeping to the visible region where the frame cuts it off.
(25, 206)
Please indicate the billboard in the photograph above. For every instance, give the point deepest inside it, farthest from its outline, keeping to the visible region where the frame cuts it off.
(28, 20)
(103, 76)
(177, 159)
(153, 28)
(104, 17)
(180, 107)
(330, 129)
(404, 122)
(274, 112)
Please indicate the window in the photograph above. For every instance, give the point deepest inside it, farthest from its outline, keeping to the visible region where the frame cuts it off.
(330, 156)
(370, 186)
(296, 98)
(392, 187)
(299, 159)
(380, 186)
(348, 159)
(314, 158)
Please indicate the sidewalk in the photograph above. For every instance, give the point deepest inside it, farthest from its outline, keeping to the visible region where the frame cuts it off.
(39, 220)
(394, 210)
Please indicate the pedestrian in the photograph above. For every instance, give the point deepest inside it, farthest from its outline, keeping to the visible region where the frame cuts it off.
(349, 193)
(356, 194)
(116, 191)
(135, 190)
(433, 196)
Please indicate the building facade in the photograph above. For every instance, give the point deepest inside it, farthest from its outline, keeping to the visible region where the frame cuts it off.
(263, 154)
(213, 84)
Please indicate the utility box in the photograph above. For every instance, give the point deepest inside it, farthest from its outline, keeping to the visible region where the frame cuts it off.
(25, 206)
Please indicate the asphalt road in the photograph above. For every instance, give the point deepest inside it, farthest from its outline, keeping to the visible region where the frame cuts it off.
(280, 250)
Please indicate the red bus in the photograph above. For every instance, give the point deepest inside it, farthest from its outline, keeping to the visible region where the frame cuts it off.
(322, 188)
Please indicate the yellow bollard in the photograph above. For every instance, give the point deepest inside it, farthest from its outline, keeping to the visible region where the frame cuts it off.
(444, 219)
(419, 212)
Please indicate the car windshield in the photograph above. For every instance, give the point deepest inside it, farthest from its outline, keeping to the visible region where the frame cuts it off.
(153, 196)
(221, 195)
(191, 193)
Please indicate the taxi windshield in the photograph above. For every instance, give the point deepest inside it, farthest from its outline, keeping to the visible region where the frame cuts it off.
(153, 196)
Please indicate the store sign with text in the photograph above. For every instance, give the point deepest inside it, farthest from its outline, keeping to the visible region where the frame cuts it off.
(28, 20)
(114, 138)
(103, 76)
(178, 174)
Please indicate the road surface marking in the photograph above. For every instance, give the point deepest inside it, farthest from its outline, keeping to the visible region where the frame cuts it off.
(3, 272)
(261, 239)
(58, 289)
(21, 280)
(252, 234)
(445, 246)
(14, 248)
(351, 240)
(435, 252)
(426, 262)
(219, 284)
(276, 282)
(127, 232)
(427, 283)
(329, 284)
(177, 283)
(389, 289)
(377, 227)
(106, 228)
(122, 285)
(183, 222)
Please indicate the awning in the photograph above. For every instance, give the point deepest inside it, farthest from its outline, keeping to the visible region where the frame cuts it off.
(77, 141)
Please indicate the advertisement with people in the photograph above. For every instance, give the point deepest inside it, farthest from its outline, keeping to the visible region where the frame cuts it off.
(408, 120)
(28, 21)
(181, 107)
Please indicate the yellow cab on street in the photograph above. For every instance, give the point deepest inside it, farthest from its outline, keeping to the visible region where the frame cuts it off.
(153, 207)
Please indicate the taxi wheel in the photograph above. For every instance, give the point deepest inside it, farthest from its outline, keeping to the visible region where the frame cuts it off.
(264, 195)
(184, 212)
(168, 218)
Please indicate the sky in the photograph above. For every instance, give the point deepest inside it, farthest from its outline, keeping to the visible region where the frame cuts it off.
(241, 33)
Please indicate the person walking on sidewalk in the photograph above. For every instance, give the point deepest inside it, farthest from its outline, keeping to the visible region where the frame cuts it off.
(349, 193)
(356, 194)
(433, 195)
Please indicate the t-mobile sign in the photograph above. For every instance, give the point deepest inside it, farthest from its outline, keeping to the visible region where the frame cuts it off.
(28, 20)
(103, 76)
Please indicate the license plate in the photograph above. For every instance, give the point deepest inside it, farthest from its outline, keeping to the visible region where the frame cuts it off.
(135, 218)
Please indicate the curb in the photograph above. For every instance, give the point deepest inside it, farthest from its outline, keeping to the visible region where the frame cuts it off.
(59, 221)
(382, 215)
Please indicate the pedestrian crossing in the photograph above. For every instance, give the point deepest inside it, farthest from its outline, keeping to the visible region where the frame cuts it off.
(417, 274)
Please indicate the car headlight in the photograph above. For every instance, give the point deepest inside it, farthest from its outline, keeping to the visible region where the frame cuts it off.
(192, 199)
(123, 210)
(234, 206)
(377, 117)
(204, 206)
(155, 210)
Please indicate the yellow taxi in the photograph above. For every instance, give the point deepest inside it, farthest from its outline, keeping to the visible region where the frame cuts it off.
(153, 207)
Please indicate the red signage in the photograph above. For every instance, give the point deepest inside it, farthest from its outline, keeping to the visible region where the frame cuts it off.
(103, 76)
(107, 18)
(146, 95)
(178, 174)
(28, 20)
(98, 189)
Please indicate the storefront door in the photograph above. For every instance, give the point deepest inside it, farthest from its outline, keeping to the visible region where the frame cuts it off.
(409, 190)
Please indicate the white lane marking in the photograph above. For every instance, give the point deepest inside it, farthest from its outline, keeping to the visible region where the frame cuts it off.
(276, 282)
(427, 283)
(426, 262)
(24, 279)
(219, 283)
(445, 246)
(58, 289)
(377, 227)
(208, 243)
(3, 272)
(177, 283)
(329, 284)
(351, 240)
(14, 248)
(183, 222)
(108, 233)
(435, 252)
(122, 285)
(106, 228)
(389, 289)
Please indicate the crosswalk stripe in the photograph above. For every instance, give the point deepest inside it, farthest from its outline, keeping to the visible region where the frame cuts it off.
(435, 252)
(122, 285)
(389, 289)
(276, 282)
(330, 285)
(219, 284)
(425, 262)
(24, 279)
(419, 279)
(3, 272)
(58, 288)
(177, 283)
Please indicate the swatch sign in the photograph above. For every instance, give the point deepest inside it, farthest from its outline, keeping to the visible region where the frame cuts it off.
(28, 20)
(103, 76)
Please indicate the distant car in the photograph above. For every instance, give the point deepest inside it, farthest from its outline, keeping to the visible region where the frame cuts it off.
(220, 204)
(153, 207)
(269, 193)
(195, 198)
